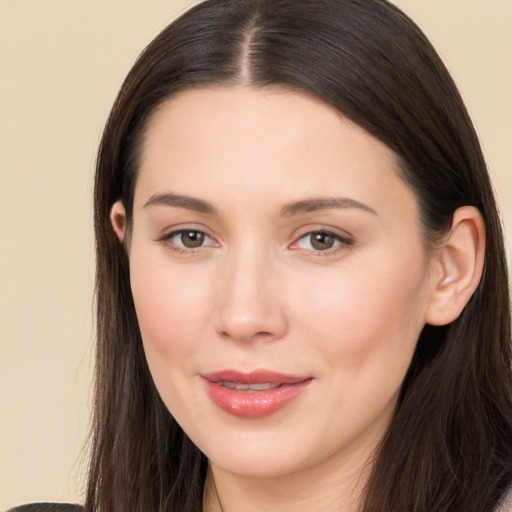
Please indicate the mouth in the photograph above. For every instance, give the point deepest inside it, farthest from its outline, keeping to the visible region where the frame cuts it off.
(255, 394)
(249, 387)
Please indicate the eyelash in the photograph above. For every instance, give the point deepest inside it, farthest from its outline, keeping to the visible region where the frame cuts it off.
(341, 243)
(167, 240)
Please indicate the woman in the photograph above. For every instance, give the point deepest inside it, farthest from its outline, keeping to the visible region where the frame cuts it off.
(301, 283)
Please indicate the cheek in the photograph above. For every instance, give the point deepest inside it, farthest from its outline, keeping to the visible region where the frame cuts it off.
(171, 308)
(171, 305)
(366, 316)
(363, 328)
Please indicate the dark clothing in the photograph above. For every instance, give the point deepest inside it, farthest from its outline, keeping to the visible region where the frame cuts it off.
(47, 507)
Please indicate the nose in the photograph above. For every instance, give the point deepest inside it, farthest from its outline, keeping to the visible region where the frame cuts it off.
(250, 301)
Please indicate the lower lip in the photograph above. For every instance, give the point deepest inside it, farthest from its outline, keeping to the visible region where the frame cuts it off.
(254, 404)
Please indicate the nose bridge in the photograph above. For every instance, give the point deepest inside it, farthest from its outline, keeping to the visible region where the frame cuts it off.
(249, 306)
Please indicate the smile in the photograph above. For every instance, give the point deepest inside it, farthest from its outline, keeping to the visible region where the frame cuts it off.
(253, 395)
(248, 387)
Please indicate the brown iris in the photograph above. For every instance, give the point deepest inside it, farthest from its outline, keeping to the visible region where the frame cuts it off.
(192, 239)
(322, 241)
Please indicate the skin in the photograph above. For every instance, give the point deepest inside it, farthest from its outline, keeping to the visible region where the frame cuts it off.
(257, 293)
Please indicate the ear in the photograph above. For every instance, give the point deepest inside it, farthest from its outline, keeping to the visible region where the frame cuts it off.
(457, 267)
(118, 220)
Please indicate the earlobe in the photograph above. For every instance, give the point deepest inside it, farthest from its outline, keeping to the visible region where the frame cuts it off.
(458, 267)
(118, 220)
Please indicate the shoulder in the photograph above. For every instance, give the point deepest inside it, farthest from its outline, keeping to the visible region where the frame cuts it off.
(506, 504)
(47, 507)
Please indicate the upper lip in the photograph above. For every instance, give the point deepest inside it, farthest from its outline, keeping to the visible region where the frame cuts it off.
(253, 377)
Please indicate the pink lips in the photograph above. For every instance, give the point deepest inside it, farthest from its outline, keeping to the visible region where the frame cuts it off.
(255, 394)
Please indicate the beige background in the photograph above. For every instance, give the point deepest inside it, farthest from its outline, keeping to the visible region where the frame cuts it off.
(61, 63)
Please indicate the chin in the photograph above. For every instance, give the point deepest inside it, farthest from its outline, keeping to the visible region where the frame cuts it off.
(257, 465)
(260, 453)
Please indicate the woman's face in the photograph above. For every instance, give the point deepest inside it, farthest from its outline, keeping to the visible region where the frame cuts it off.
(279, 277)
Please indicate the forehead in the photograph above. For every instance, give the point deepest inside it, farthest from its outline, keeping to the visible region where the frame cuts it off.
(260, 113)
(275, 142)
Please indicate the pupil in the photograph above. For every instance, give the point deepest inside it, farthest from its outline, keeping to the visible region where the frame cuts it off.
(322, 241)
(192, 239)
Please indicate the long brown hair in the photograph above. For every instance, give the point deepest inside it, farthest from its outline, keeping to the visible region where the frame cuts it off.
(449, 445)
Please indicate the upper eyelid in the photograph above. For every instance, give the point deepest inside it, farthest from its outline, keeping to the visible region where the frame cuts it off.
(171, 231)
(341, 239)
(166, 240)
(340, 233)
(345, 240)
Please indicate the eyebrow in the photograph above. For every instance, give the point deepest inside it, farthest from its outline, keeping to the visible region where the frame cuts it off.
(296, 208)
(321, 203)
(179, 201)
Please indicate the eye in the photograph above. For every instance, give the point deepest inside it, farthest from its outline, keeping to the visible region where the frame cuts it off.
(188, 239)
(322, 241)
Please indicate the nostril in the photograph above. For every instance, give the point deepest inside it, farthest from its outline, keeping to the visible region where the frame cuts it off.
(261, 327)
(246, 336)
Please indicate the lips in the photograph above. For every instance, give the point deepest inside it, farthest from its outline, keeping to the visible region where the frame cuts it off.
(249, 387)
(253, 395)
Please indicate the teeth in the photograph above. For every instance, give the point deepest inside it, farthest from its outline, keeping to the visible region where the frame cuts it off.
(249, 387)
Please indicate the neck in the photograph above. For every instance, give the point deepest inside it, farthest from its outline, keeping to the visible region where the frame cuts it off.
(305, 490)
